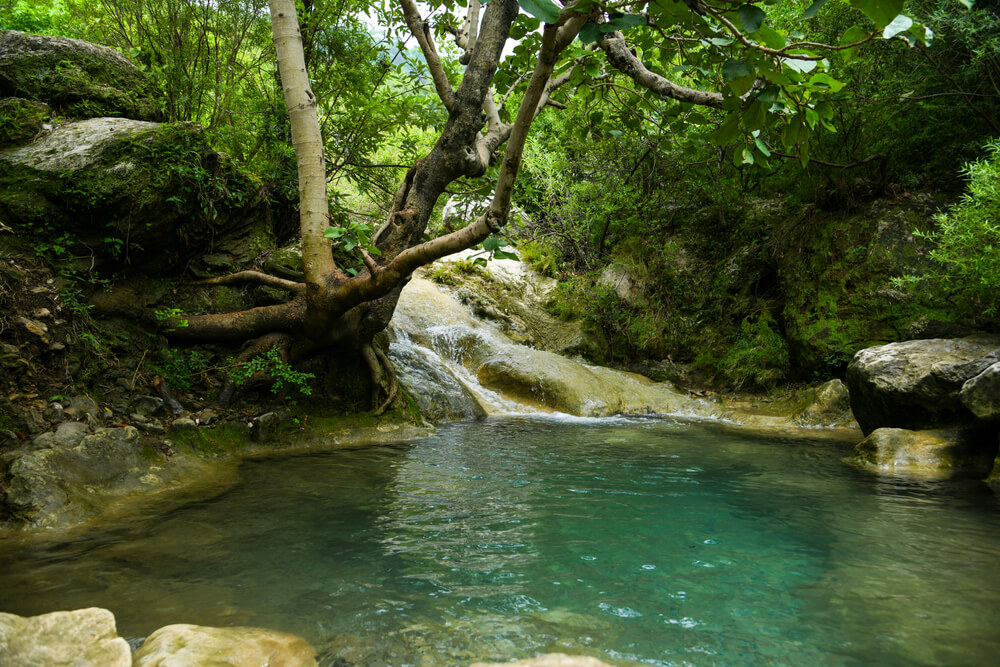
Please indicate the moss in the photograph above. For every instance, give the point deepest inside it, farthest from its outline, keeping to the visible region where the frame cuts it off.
(222, 440)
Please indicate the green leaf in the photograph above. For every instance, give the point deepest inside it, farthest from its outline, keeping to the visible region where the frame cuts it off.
(621, 21)
(968, 3)
(826, 81)
(590, 33)
(333, 232)
(853, 35)
(479, 261)
(801, 66)
(493, 243)
(735, 68)
(593, 70)
(901, 23)
(813, 9)
(881, 12)
(503, 254)
(771, 38)
(546, 10)
(727, 131)
(751, 17)
(762, 147)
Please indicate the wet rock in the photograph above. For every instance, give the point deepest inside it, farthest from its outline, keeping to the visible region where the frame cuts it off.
(265, 427)
(81, 406)
(554, 382)
(981, 394)
(146, 405)
(58, 485)
(941, 453)
(549, 660)
(198, 646)
(916, 384)
(76, 78)
(63, 639)
(830, 406)
(182, 425)
(439, 394)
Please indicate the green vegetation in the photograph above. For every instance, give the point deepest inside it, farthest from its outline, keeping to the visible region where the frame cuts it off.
(755, 238)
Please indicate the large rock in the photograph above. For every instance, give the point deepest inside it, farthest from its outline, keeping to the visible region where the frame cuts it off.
(76, 78)
(140, 195)
(198, 646)
(941, 453)
(981, 394)
(78, 638)
(917, 384)
(554, 382)
(60, 485)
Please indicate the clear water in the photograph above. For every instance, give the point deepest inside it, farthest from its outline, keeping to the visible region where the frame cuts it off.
(636, 542)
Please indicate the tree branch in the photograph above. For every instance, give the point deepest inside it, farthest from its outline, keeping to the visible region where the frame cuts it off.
(622, 59)
(419, 29)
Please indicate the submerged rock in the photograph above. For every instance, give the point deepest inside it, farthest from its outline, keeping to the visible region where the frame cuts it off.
(917, 384)
(77, 79)
(63, 639)
(198, 646)
(937, 453)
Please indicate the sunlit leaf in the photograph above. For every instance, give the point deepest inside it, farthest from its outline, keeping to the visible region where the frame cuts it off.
(881, 12)
(901, 23)
(813, 9)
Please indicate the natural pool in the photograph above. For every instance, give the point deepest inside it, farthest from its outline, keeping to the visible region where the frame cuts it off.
(643, 541)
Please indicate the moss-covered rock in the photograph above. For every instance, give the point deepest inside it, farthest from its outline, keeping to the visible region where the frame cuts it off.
(76, 78)
(940, 453)
(137, 195)
(21, 120)
(835, 274)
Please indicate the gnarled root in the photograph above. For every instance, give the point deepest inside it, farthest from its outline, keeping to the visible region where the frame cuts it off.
(383, 378)
(253, 348)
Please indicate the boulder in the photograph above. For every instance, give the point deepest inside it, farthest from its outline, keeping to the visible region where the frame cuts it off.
(198, 646)
(942, 453)
(981, 394)
(63, 639)
(76, 78)
(58, 485)
(142, 196)
(265, 427)
(917, 384)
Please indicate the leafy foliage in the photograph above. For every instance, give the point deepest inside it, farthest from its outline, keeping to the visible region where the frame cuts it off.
(283, 376)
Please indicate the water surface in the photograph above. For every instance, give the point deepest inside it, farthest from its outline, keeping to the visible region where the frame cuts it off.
(634, 541)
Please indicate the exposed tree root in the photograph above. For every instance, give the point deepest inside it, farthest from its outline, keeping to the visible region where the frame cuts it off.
(383, 378)
(257, 277)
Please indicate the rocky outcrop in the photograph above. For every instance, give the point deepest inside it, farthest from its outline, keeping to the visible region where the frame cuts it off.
(140, 195)
(23, 120)
(77, 79)
(63, 639)
(199, 646)
(919, 384)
